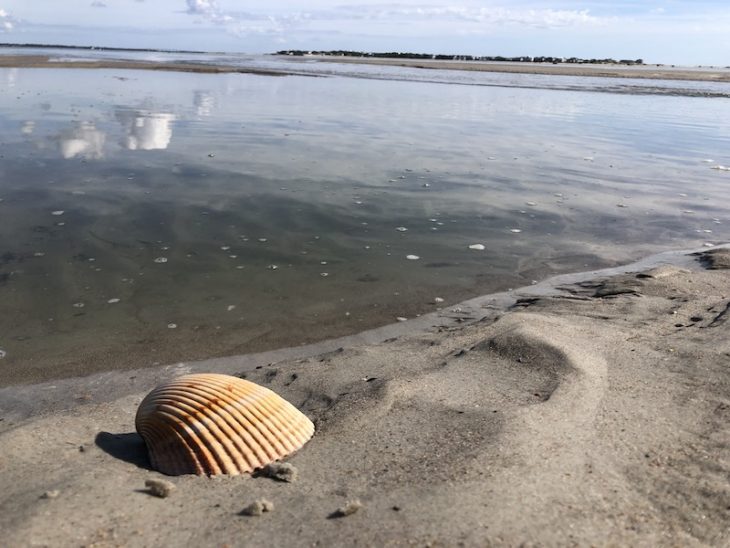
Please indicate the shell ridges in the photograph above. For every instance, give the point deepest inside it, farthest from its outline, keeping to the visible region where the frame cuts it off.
(218, 424)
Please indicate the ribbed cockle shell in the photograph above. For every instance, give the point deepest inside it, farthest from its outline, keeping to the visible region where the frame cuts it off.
(217, 424)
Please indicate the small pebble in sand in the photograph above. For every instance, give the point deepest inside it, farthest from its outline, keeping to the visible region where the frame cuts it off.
(240, 267)
(708, 244)
(621, 205)
(57, 213)
(350, 507)
(401, 229)
(324, 274)
(412, 257)
(113, 301)
(272, 267)
(515, 230)
(531, 204)
(225, 247)
(78, 305)
(2, 353)
(230, 307)
(401, 319)
(477, 247)
(161, 260)
(172, 326)
(262, 240)
(233, 256)
(51, 494)
(323, 262)
(438, 300)
(258, 507)
(38, 254)
(281, 471)
(159, 487)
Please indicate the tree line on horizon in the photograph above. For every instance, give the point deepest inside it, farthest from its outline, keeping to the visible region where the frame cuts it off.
(446, 57)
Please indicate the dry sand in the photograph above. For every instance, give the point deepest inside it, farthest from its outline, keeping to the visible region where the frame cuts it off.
(589, 410)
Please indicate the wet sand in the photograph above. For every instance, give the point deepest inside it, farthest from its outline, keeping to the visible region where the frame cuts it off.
(585, 410)
(44, 61)
(649, 72)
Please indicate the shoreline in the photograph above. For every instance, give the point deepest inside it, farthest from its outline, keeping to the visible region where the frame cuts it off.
(647, 72)
(16, 399)
(46, 61)
(590, 410)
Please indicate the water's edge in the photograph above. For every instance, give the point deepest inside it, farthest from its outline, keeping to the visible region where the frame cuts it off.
(20, 402)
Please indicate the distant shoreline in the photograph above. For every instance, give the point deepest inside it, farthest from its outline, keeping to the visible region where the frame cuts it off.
(647, 72)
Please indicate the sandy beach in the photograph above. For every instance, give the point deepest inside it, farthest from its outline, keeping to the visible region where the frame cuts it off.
(588, 409)
(648, 72)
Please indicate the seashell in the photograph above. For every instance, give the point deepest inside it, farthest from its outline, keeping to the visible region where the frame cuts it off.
(218, 424)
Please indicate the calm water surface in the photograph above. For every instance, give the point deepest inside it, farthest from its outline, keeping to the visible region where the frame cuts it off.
(151, 217)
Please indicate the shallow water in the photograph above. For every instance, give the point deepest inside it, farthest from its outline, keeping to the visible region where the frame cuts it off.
(178, 194)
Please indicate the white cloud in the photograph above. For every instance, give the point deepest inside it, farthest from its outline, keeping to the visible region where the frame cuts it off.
(7, 22)
(385, 19)
(209, 10)
(491, 15)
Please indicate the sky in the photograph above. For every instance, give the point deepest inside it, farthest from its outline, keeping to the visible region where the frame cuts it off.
(678, 32)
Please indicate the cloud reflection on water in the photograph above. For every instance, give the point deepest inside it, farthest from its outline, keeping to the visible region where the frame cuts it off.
(146, 130)
(84, 140)
(204, 103)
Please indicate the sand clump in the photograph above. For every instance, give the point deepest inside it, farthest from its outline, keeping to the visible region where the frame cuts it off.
(159, 487)
(257, 508)
(349, 508)
(281, 471)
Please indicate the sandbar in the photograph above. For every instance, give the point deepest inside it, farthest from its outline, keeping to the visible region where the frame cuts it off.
(648, 72)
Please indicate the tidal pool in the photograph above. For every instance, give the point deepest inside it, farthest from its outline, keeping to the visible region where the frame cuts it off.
(152, 217)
